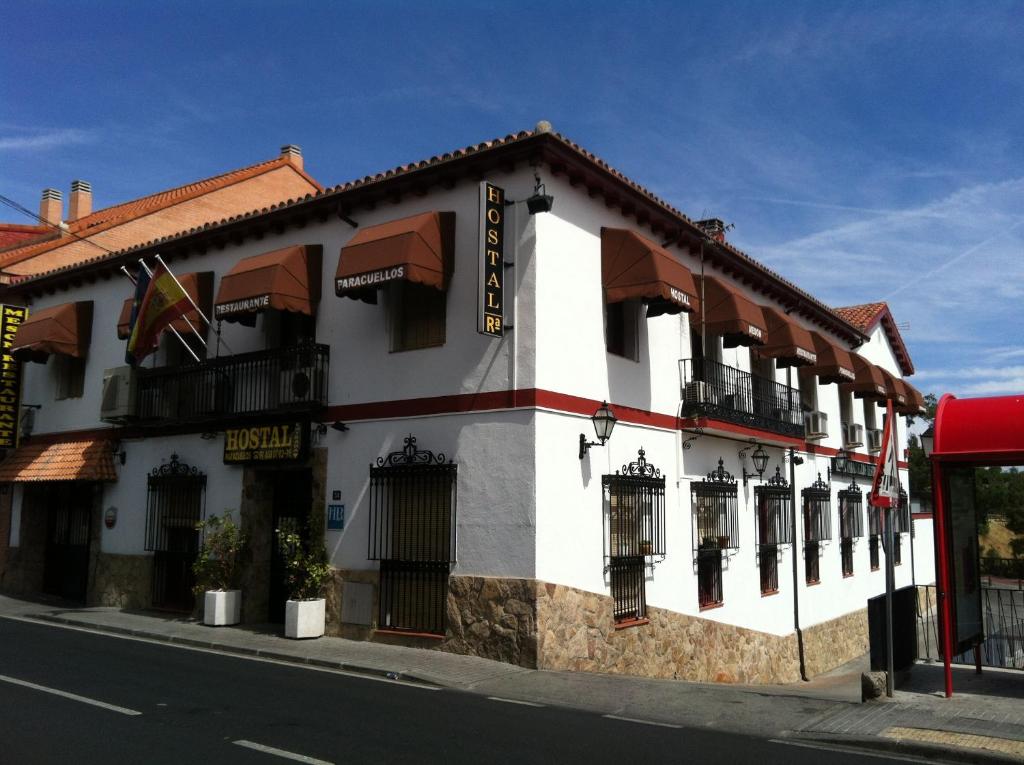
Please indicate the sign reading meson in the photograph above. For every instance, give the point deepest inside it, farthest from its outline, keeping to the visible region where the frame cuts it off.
(11, 317)
(265, 443)
(491, 316)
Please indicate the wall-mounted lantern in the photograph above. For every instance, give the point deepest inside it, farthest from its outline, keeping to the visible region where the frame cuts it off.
(760, 460)
(604, 423)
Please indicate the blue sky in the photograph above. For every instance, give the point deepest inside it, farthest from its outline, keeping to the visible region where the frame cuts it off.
(865, 151)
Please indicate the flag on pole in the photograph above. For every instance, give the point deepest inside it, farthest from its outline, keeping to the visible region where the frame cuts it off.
(163, 301)
(885, 487)
(141, 282)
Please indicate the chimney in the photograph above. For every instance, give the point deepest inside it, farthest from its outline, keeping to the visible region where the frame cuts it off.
(713, 227)
(293, 154)
(51, 208)
(81, 200)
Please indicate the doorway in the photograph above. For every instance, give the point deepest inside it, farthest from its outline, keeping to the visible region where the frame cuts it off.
(68, 535)
(291, 502)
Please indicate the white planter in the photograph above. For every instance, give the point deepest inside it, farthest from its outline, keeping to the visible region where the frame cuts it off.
(304, 618)
(222, 608)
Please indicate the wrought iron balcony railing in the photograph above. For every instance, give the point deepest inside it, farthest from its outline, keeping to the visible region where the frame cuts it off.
(278, 380)
(722, 392)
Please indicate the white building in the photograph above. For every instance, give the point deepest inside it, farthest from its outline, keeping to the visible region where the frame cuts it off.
(461, 514)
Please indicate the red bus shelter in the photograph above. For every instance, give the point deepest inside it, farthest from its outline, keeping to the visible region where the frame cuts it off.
(969, 433)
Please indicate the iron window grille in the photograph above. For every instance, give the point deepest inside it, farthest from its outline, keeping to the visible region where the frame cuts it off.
(709, 578)
(846, 554)
(897, 550)
(715, 511)
(901, 514)
(817, 501)
(628, 591)
(812, 562)
(774, 502)
(851, 512)
(873, 551)
(412, 533)
(634, 511)
(175, 503)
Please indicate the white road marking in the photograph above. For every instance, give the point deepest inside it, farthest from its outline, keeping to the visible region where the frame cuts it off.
(281, 753)
(72, 696)
(515, 701)
(642, 722)
(864, 751)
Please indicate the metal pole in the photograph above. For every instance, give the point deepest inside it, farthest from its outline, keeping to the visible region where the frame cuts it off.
(184, 344)
(890, 575)
(942, 583)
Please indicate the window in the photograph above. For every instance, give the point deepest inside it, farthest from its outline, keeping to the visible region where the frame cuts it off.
(851, 523)
(897, 549)
(817, 504)
(873, 551)
(846, 408)
(774, 528)
(809, 393)
(622, 329)
(70, 374)
(634, 523)
(870, 420)
(418, 316)
(875, 532)
(715, 528)
(412, 534)
(286, 329)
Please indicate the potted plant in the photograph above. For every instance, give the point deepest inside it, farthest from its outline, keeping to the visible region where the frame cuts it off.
(306, 573)
(216, 570)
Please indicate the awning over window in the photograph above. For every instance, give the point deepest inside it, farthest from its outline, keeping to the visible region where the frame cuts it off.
(894, 389)
(70, 461)
(285, 280)
(834, 364)
(869, 382)
(787, 342)
(199, 287)
(635, 268)
(64, 329)
(418, 249)
(980, 430)
(728, 313)
(915, 401)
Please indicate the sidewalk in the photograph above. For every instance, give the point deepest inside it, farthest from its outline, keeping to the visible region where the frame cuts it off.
(985, 719)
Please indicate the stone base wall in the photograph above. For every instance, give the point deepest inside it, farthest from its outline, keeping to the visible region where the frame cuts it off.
(124, 581)
(493, 618)
(577, 632)
(832, 643)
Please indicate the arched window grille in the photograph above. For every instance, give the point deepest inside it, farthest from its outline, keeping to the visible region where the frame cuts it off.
(851, 523)
(175, 503)
(412, 534)
(817, 504)
(715, 528)
(774, 502)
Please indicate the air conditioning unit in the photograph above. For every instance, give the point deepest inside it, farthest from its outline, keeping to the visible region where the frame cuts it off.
(853, 434)
(874, 440)
(815, 425)
(697, 393)
(301, 386)
(118, 401)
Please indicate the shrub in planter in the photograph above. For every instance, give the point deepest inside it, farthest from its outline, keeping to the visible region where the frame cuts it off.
(216, 569)
(306, 573)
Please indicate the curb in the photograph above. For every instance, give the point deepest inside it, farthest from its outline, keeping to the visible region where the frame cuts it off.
(262, 653)
(935, 752)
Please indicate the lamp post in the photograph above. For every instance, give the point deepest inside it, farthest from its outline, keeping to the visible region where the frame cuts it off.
(604, 423)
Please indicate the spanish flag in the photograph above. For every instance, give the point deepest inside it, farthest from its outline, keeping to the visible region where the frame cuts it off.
(163, 302)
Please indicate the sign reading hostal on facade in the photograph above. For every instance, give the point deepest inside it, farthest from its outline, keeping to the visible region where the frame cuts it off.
(11, 317)
(491, 314)
(284, 442)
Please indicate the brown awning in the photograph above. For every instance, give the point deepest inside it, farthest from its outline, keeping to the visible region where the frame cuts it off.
(914, 404)
(198, 285)
(894, 389)
(90, 460)
(834, 364)
(787, 342)
(285, 280)
(728, 313)
(418, 249)
(64, 329)
(869, 382)
(635, 268)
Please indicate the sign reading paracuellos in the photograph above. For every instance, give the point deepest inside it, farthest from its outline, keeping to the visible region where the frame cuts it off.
(280, 442)
(491, 314)
(11, 317)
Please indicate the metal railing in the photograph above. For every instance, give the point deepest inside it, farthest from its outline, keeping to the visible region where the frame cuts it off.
(1004, 568)
(275, 380)
(627, 585)
(1002, 612)
(711, 389)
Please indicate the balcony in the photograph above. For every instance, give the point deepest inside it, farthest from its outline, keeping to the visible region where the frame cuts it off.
(276, 381)
(724, 393)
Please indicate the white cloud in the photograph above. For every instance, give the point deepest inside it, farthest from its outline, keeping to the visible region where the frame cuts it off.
(35, 140)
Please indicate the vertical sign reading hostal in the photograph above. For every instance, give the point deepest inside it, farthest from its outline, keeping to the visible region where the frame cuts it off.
(11, 317)
(491, 316)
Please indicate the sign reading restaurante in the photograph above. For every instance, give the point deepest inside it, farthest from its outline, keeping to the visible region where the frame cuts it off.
(492, 260)
(11, 317)
(265, 443)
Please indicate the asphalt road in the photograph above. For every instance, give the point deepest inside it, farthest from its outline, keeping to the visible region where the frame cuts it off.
(137, 702)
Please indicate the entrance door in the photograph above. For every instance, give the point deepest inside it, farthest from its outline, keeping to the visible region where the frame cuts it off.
(68, 529)
(293, 496)
(176, 503)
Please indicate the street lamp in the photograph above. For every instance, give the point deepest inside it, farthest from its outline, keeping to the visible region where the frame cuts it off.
(928, 441)
(760, 460)
(604, 423)
(842, 459)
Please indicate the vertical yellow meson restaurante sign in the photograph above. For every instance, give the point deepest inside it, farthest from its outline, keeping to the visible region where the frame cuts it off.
(11, 317)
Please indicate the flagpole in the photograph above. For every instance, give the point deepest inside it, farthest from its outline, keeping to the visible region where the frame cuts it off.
(198, 309)
(176, 333)
(890, 570)
(185, 293)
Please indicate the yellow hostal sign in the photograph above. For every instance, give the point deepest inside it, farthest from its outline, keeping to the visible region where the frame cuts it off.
(265, 443)
(11, 317)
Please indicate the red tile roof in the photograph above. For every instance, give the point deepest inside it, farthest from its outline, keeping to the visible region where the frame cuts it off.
(14, 234)
(69, 461)
(866, 317)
